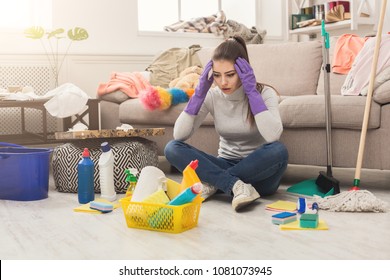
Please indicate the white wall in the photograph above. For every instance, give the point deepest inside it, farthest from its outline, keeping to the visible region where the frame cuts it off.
(112, 26)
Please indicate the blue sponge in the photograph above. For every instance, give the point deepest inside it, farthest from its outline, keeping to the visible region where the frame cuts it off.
(101, 206)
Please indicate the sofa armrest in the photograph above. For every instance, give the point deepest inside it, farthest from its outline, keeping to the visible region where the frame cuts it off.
(382, 93)
(115, 97)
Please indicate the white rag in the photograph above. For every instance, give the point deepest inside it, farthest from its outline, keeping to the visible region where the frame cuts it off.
(66, 100)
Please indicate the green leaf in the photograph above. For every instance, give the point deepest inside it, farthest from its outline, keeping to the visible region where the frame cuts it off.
(35, 32)
(78, 34)
(56, 33)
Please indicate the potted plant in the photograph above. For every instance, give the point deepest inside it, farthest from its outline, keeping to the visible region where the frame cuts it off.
(50, 41)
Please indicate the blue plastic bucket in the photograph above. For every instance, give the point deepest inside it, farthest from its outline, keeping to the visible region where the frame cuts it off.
(24, 172)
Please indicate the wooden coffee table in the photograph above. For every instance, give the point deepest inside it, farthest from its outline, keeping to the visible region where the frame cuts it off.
(109, 133)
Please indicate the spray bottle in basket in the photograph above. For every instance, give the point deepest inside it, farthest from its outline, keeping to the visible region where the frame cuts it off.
(85, 185)
(188, 195)
(106, 169)
(131, 178)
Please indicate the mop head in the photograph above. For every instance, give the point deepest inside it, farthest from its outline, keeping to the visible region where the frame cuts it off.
(352, 201)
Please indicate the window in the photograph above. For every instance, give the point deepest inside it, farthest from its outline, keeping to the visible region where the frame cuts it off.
(153, 15)
(20, 14)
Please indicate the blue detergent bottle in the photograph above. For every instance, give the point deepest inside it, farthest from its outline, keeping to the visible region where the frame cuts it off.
(85, 183)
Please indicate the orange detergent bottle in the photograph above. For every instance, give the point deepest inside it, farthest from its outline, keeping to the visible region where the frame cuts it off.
(190, 177)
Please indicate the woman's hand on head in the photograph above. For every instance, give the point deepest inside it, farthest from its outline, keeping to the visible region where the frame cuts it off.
(249, 84)
(246, 74)
(205, 82)
(205, 79)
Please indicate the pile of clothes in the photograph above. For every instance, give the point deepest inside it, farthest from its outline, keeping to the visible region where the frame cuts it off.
(353, 57)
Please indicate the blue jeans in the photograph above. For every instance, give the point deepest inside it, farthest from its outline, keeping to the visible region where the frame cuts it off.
(263, 168)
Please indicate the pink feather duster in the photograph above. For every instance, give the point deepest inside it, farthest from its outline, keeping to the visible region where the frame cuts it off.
(150, 98)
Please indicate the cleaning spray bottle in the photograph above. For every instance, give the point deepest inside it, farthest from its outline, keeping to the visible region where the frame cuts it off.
(187, 195)
(85, 183)
(131, 178)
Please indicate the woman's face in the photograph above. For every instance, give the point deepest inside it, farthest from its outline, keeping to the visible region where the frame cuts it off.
(225, 76)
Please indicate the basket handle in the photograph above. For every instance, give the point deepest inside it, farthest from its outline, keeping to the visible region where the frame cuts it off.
(5, 144)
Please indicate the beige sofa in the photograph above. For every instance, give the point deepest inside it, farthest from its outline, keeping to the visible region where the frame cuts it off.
(295, 70)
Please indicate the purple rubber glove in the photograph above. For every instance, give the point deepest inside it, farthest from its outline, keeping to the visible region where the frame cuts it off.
(201, 90)
(248, 80)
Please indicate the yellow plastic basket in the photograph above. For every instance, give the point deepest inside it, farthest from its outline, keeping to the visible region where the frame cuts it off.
(160, 217)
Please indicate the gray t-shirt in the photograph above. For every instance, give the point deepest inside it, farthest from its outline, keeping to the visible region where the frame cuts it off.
(237, 137)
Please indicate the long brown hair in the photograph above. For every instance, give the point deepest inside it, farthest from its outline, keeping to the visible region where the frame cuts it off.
(231, 49)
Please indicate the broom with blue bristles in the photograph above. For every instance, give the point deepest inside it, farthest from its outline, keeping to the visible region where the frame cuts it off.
(356, 200)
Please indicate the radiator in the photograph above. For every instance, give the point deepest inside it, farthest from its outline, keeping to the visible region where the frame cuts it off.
(41, 79)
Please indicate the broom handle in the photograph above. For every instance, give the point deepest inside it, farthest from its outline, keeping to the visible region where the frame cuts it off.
(369, 94)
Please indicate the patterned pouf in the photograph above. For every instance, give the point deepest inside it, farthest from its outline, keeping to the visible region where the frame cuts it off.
(134, 152)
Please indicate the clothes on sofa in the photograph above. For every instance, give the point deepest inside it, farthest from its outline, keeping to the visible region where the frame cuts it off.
(346, 49)
(358, 77)
(130, 83)
(169, 64)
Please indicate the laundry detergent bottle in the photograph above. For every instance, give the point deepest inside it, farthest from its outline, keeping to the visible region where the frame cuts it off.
(189, 175)
(85, 183)
(106, 169)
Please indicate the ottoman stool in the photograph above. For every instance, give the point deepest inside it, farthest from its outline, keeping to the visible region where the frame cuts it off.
(132, 152)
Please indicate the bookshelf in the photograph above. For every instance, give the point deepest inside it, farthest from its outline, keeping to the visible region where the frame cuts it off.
(357, 9)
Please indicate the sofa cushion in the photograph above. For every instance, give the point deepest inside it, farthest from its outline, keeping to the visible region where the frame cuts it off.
(116, 97)
(297, 78)
(309, 112)
(133, 112)
(382, 93)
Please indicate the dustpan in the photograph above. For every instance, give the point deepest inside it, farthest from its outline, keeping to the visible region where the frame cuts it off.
(325, 184)
(356, 200)
(309, 188)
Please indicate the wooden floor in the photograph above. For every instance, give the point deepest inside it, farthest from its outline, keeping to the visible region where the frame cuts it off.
(50, 229)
